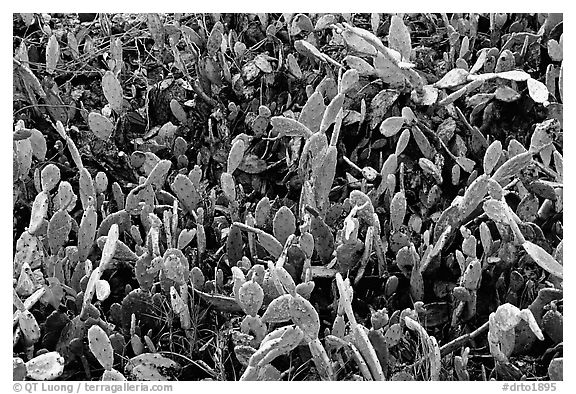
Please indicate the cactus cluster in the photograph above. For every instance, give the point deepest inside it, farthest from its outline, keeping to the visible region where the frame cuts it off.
(247, 229)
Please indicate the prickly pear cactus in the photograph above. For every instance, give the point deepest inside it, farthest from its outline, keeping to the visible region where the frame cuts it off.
(553, 325)
(18, 369)
(304, 202)
(197, 278)
(503, 325)
(141, 270)
(304, 316)
(112, 375)
(100, 346)
(50, 176)
(87, 231)
(151, 367)
(47, 366)
(139, 302)
(262, 213)
(250, 297)
(28, 250)
(234, 245)
(186, 192)
(525, 337)
(323, 239)
(29, 327)
(284, 224)
(556, 369)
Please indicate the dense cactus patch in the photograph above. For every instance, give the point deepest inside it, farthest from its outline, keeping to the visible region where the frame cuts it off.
(288, 196)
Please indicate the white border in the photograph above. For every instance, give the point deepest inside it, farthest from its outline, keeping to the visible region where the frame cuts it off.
(303, 6)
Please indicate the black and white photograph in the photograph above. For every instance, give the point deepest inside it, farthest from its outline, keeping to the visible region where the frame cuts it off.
(287, 197)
